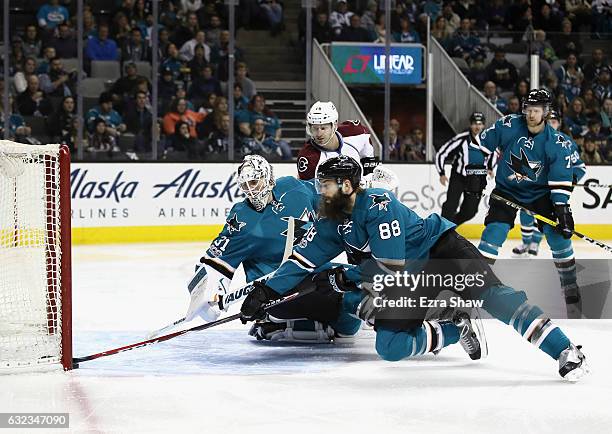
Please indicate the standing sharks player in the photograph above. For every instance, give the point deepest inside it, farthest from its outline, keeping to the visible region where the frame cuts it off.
(373, 223)
(537, 173)
(254, 236)
(530, 234)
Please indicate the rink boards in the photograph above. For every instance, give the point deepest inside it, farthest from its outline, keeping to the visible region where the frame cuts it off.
(118, 202)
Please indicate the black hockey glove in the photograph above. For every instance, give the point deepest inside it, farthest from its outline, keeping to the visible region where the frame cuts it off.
(566, 222)
(252, 306)
(369, 164)
(333, 279)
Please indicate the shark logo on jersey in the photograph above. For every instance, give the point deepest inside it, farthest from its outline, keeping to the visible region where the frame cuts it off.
(234, 225)
(277, 206)
(523, 168)
(345, 228)
(565, 143)
(526, 142)
(303, 223)
(380, 200)
(507, 121)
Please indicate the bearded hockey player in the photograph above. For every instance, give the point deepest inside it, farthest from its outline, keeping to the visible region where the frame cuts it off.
(530, 235)
(254, 236)
(536, 171)
(374, 225)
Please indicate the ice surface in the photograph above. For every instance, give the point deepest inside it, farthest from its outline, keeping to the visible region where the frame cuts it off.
(221, 381)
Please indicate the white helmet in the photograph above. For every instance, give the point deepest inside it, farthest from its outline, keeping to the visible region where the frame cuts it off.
(322, 113)
(255, 168)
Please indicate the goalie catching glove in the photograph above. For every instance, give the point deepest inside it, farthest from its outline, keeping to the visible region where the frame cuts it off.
(381, 177)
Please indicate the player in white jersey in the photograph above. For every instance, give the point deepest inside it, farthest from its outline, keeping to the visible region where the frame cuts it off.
(328, 140)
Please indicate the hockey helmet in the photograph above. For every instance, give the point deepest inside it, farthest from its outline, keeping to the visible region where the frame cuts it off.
(538, 97)
(322, 113)
(553, 114)
(256, 180)
(477, 117)
(340, 168)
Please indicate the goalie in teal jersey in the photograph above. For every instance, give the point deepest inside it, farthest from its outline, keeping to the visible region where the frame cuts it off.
(536, 170)
(255, 236)
(374, 228)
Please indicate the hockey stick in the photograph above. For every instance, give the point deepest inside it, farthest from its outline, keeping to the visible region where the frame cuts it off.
(550, 222)
(592, 184)
(243, 291)
(266, 307)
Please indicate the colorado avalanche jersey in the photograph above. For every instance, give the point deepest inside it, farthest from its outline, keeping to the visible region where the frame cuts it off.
(354, 141)
(380, 227)
(257, 239)
(531, 166)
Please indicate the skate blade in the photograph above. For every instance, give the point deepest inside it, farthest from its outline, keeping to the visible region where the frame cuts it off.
(576, 374)
(480, 333)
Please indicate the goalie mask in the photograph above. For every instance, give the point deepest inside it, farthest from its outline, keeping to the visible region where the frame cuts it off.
(322, 113)
(256, 180)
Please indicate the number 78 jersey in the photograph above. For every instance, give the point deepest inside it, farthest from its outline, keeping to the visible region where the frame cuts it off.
(380, 227)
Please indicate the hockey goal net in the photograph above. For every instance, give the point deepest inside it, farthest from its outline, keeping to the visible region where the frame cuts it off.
(35, 293)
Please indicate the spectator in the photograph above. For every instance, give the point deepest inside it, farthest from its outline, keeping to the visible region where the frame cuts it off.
(248, 86)
(50, 15)
(590, 154)
(104, 111)
(273, 12)
(172, 62)
(188, 49)
(125, 86)
(514, 106)
(101, 141)
(321, 29)
(90, 29)
(542, 47)
(219, 55)
(606, 118)
(478, 74)
(602, 87)
(340, 19)
(464, 43)
(600, 18)
(241, 102)
(213, 32)
(20, 80)
(60, 122)
(452, 20)
(187, 30)
(562, 105)
(183, 141)
(570, 77)
(545, 69)
(58, 82)
(606, 152)
(594, 133)
(190, 5)
(101, 47)
(380, 31)
(198, 62)
(591, 69)
(126, 8)
(432, 8)
(70, 139)
(496, 12)
(501, 72)
(138, 120)
(166, 89)
(220, 107)
(180, 112)
(566, 42)
(135, 48)
(406, 34)
(591, 104)
(414, 148)
(440, 32)
(578, 11)
(168, 15)
(522, 89)
(258, 109)
(17, 58)
(575, 119)
(33, 102)
(121, 29)
(32, 44)
(204, 84)
(368, 19)
(18, 130)
(490, 92)
(354, 32)
(547, 20)
(217, 141)
(262, 143)
(551, 84)
(467, 9)
(48, 55)
(65, 43)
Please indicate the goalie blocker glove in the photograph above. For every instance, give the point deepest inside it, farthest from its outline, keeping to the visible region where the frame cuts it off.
(566, 222)
(253, 306)
(335, 279)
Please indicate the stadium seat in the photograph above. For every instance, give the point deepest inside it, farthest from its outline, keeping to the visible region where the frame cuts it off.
(89, 103)
(71, 64)
(462, 64)
(93, 87)
(557, 63)
(126, 142)
(109, 69)
(517, 60)
(144, 69)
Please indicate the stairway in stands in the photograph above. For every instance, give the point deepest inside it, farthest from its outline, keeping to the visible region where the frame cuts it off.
(277, 67)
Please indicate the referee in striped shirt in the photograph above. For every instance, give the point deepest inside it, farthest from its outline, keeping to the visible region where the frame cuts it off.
(468, 177)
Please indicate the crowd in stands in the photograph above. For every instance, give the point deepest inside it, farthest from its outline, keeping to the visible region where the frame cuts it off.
(193, 118)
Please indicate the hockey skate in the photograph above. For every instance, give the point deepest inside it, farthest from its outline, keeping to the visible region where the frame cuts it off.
(470, 335)
(533, 249)
(572, 363)
(573, 302)
(521, 251)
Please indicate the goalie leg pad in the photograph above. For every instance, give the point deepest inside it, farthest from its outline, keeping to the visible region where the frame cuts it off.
(294, 330)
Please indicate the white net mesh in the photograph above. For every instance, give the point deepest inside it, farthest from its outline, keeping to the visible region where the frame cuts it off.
(30, 256)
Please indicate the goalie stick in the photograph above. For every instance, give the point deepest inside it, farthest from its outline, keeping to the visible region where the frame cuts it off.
(550, 222)
(243, 291)
(267, 306)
